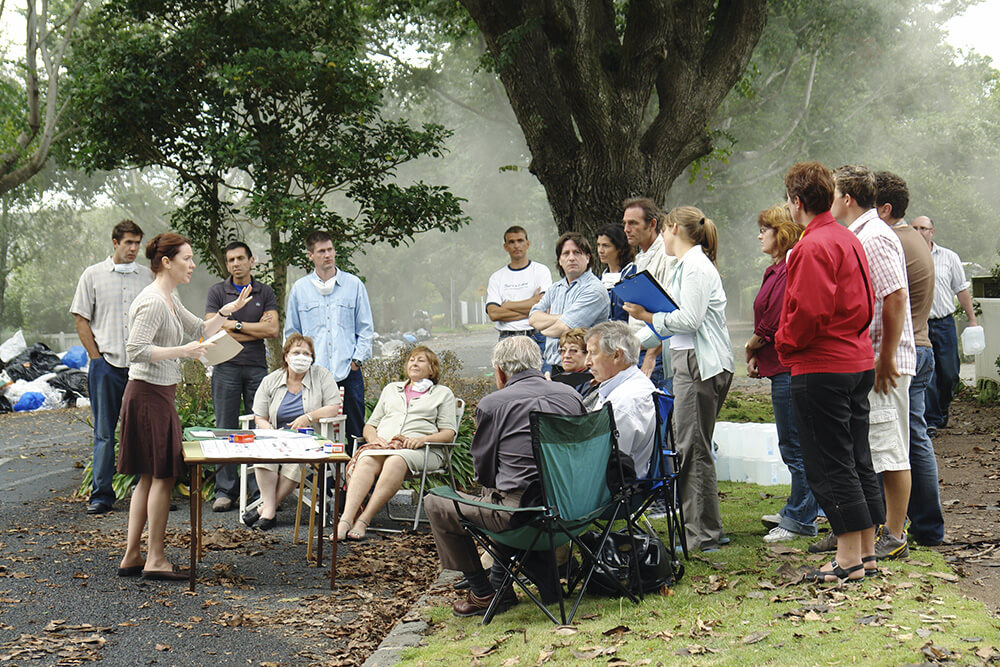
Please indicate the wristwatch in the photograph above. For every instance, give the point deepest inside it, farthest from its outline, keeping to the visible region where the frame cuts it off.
(356, 362)
(238, 326)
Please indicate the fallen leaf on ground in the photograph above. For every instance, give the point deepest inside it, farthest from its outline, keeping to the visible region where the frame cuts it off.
(617, 630)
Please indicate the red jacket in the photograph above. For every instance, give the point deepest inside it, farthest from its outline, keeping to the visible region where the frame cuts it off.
(828, 303)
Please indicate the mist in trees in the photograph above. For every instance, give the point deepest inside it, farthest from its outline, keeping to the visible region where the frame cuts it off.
(845, 82)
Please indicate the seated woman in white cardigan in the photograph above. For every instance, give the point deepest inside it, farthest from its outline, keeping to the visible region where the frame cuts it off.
(408, 417)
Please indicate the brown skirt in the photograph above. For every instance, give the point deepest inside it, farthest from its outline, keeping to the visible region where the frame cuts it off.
(151, 431)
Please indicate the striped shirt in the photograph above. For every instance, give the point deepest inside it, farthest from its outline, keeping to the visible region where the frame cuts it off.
(949, 280)
(153, 325)
(103, 297)
(887, 265)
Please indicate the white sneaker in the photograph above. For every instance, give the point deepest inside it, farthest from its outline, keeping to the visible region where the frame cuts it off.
(779, 534)
(771, 520)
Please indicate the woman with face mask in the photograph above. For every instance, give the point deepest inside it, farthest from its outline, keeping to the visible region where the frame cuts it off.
(409, 416)
(296, 395)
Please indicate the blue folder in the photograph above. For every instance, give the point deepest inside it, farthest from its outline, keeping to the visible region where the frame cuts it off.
(643, 289)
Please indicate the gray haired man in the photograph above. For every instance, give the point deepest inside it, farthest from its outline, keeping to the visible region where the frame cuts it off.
(612, 355)
(504, 463)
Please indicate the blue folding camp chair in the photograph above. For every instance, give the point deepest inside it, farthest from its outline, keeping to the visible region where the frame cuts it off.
(572, 455)
(660, 482)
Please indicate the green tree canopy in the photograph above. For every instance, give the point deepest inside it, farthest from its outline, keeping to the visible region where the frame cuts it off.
(268, 115)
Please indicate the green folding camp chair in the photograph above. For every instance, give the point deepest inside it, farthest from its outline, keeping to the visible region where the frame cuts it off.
(572, 455)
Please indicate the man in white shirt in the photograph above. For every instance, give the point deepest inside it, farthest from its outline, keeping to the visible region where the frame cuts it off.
(612, 354)
(891, 332)
(949, 282)
(641, 221)
(515, 288)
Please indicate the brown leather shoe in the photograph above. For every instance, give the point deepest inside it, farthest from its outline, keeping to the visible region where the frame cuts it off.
(473, 605)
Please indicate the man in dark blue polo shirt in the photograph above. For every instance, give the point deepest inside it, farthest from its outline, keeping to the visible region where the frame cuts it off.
(237, 379)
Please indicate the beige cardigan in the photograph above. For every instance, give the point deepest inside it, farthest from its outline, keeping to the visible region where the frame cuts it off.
(427, 414)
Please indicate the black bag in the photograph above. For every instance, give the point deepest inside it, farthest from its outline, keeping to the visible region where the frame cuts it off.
(620, 472)
(33, 363)
(5, 405)
(72, 382)
(657, 566)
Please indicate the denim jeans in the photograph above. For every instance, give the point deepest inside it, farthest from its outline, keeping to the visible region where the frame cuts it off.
(926, 518)
(354, 406)
(663, 383)
(233, 384)
(800, 510)
(106, 385)
(944, 338)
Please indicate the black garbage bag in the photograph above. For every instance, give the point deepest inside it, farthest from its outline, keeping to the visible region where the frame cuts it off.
(5, 405)
(72, 382)
(33, 363)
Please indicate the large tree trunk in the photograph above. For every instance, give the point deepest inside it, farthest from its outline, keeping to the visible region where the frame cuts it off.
(608, 116)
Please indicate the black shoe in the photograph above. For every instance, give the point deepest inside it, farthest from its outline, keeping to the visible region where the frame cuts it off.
(97, 507)
(250, 518)
(267, 524)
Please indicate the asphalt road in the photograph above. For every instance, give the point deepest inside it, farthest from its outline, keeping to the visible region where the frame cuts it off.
(59, 564)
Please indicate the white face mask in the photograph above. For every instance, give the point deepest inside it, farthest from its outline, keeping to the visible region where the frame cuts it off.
(422, 385)
(325, 287)
(299, 363)
(126, 268)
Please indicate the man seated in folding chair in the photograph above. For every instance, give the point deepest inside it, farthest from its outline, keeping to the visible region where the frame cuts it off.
(504, 465)
(408, 419)
(612, 355)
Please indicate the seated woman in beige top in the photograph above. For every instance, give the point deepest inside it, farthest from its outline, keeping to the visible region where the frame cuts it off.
(407, 417)
(296, 395)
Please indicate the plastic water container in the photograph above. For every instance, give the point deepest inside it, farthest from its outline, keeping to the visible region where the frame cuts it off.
(749, 453)
(973, 340)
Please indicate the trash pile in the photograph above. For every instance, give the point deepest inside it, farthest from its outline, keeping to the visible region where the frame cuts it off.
(36, 378)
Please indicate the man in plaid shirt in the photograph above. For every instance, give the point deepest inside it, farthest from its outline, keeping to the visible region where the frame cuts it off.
(895, 353)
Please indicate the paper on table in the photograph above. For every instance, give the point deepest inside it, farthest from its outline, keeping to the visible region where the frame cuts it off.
(202, 434)
(268, 448)
(226, 347)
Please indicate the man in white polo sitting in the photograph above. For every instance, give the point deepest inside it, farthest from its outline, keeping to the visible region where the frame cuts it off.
(612, 355)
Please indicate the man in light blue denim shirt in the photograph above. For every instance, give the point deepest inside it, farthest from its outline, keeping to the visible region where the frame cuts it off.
(578, 300)
(331, 307)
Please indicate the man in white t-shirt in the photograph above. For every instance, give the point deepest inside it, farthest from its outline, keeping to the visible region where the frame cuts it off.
(515, 288)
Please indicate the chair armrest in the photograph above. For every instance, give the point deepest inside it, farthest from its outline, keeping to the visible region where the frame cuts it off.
(333, 420)
(245, 421)
(449, 493)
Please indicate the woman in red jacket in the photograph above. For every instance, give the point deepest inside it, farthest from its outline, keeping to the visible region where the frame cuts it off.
(823, 339)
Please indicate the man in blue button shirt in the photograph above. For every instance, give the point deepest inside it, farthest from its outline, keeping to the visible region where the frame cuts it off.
(331, 307)
(578, 300)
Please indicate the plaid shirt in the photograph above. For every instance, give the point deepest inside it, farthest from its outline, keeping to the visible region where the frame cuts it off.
(103, 297)
(887, 265)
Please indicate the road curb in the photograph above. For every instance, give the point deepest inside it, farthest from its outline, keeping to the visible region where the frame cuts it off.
(407, 634)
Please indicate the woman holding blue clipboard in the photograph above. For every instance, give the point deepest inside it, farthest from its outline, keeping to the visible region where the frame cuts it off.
(702, 359)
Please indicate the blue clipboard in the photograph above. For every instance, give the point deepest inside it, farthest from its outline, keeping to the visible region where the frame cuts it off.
(643, 289)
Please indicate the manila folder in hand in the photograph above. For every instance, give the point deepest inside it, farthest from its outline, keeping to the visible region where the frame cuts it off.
(226, 347)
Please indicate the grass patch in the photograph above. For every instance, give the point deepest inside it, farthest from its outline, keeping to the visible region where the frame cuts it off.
(738, 607)
(741, 407)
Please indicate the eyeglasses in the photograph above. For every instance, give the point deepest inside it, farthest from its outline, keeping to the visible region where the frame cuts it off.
(923, 229)
(570, 350)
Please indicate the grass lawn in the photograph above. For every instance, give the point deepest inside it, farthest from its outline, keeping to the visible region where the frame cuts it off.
(739, 606)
